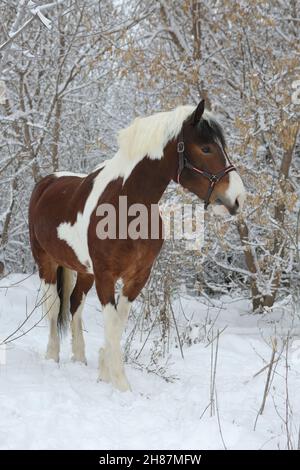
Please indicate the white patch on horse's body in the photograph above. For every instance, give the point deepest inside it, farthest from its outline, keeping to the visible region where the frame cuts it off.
(111, 367)
(144, 137)
(59, 174)
(76, 235)
(51, 303)
(78, 346)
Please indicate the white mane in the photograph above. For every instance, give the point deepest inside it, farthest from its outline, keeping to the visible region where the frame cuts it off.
(149, 135)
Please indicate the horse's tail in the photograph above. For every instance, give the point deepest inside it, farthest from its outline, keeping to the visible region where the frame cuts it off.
(65, 285)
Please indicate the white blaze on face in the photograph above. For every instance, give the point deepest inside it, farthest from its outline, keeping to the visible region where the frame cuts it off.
(235, 191)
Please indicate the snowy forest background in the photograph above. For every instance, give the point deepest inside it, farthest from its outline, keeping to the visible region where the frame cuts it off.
(67, 90)
(74, 72)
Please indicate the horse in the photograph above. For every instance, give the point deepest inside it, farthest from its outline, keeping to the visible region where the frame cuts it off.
(185, 145)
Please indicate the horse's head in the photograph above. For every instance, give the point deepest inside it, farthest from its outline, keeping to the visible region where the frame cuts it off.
(204, 166)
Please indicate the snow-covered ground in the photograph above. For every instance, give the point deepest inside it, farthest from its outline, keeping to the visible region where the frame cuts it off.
(48, 406)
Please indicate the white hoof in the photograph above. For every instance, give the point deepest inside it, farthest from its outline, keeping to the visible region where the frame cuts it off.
(106, 373)
(52, 353)
(121, 383)
(79, 358)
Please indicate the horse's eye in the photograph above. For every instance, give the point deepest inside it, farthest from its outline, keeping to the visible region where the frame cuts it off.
(205, 149)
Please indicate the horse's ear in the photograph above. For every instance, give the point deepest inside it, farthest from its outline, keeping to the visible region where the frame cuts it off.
(198, 112)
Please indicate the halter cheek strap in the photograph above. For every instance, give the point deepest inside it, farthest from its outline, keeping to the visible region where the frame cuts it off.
(213, 178)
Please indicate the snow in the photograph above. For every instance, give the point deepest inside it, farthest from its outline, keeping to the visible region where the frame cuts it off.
(48, 406)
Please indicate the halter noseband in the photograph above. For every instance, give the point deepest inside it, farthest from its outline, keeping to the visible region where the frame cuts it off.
(213, 178)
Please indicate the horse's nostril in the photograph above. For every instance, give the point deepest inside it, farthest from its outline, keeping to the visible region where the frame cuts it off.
(237, 204)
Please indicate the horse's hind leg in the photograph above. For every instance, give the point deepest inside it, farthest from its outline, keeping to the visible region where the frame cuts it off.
(50, 300)
(51, 305)
(83, 284)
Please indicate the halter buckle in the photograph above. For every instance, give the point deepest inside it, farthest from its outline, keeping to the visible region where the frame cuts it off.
(213, 178)
(180, 147)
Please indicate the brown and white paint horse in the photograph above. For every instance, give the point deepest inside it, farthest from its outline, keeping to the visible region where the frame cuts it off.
(63, 219)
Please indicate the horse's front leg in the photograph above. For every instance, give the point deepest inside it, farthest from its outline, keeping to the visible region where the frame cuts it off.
(111, 367)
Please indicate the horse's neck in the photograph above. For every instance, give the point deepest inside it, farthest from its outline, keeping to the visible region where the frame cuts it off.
(150, 178)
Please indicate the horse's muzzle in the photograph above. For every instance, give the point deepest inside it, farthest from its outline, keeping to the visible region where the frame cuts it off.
(221, 207)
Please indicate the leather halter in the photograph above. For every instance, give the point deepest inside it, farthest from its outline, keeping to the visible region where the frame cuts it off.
(184, 163)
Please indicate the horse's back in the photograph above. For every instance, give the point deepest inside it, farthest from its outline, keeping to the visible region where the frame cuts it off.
(49, 191)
